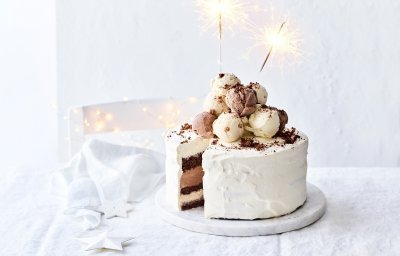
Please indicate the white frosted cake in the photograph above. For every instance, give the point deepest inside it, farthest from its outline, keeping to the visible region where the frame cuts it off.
(237, 158)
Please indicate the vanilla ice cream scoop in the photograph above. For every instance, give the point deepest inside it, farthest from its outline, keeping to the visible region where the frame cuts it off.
(223, 82)
(202, 125)
(242, 100)
(261, 92)
(228, 127)
(215, 104)
(267, 121)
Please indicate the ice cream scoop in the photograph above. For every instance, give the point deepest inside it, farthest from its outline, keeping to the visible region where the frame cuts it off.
(283, 118)
(261, 92)
(223, 82)
(202, 124)
(215, 104)
(228, 127)
(267, 121)
(245, 120)
(241, 100)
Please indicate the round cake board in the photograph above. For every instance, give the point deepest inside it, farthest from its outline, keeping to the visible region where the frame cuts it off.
(194, 220)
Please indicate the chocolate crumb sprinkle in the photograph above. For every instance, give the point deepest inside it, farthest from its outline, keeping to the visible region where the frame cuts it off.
(186, 126)
(250, 143)
(289, 136)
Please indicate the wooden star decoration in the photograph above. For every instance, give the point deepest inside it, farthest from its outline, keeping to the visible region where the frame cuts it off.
(117, 208)
(104, 241)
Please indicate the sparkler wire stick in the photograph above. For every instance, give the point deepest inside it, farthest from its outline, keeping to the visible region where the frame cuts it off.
(272, 47)
(220, 35)
(224, 14)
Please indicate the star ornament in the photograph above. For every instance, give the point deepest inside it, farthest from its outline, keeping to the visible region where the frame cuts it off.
(118, 208)
(104, 241)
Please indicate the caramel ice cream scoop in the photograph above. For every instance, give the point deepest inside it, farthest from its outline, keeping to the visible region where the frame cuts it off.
(202, 125)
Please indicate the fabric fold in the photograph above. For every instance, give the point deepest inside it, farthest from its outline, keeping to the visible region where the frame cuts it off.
(105, 171)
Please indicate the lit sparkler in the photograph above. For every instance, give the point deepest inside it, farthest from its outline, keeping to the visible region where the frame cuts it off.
(276, 40)
(222, 13)
(282, 41)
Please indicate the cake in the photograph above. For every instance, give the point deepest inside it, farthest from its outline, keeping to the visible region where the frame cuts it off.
(237, 158)
(184, 172)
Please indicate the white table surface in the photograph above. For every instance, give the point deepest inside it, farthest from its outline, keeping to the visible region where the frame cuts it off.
(362, 218)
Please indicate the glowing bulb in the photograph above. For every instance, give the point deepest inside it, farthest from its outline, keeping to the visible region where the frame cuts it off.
(144, 109)
(108, 117)
(192, 99)
(99, 125)
(169, 106)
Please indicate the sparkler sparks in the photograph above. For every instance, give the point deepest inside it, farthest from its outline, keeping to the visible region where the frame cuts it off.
(281, 39)
(283, 42)
(225, 14)
(276, 40)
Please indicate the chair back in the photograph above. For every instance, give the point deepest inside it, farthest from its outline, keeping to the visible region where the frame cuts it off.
(139, 123)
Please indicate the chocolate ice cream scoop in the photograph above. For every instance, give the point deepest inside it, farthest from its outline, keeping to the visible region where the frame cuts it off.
(261, 92)
(202, 125)
(241, 100)
(283, 119)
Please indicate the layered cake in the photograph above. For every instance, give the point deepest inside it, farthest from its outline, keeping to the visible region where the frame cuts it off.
(184, 170)
(237, 158)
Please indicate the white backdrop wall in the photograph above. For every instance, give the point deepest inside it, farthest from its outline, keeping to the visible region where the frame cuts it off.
(345, 95)
(28, 133)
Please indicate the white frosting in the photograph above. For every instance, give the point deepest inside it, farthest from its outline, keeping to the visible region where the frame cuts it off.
(178, 147)
(249, 184)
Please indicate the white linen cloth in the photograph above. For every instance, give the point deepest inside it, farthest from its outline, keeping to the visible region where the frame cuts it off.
(362, 218)
(104, 171)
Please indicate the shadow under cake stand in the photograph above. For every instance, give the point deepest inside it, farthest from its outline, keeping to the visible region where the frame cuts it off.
(194, 220)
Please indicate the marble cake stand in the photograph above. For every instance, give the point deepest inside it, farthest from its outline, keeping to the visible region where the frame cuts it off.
(193, 219)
